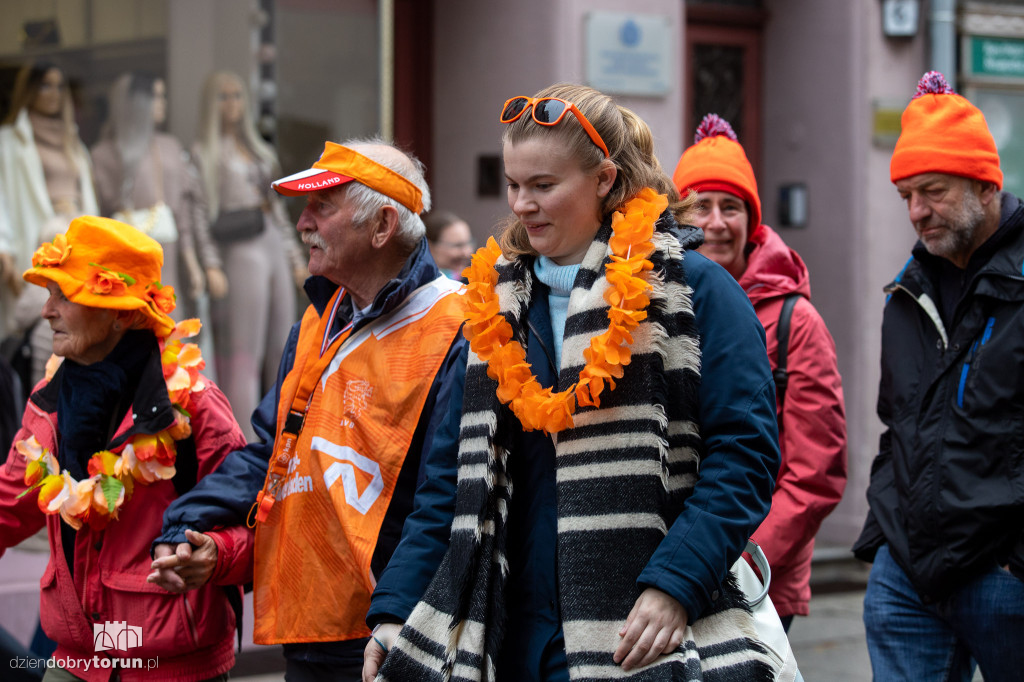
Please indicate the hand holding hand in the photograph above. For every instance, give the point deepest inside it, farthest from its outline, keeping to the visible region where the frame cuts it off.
(182, 568)
(655, 626)
(374, 654)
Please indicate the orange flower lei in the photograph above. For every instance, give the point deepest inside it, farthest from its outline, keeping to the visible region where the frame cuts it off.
(490, 335)
(145, 458)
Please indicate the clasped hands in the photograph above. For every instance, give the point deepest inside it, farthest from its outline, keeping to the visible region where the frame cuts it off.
(180, 568)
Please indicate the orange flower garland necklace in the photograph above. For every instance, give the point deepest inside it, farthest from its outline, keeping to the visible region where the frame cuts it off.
(490, 335)
(144, 459)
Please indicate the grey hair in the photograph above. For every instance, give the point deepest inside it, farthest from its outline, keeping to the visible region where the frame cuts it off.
(370, 201)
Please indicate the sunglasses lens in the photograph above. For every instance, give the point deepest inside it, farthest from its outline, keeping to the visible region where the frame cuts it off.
(548, 111)
(513, 108)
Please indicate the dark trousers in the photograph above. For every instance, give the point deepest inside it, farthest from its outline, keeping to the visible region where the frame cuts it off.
(308, 671)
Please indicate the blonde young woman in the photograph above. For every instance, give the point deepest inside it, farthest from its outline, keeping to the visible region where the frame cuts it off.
(254, 305)
(44, 176)
(564, 529)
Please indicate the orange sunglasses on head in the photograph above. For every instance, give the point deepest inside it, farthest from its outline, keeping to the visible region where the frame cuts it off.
(549, 111)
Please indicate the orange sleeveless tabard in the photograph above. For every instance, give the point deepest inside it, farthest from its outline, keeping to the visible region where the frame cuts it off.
(312, 579)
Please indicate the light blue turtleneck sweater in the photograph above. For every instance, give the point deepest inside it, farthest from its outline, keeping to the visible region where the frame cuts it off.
(559, 279)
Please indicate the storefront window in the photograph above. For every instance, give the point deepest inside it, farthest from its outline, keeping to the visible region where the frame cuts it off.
(1004, 112)
(328, 75)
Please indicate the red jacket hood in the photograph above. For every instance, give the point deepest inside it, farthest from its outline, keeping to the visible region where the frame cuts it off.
(773, 269)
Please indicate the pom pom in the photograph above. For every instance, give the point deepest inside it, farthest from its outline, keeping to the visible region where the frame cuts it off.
(932, 83)
(712, 126)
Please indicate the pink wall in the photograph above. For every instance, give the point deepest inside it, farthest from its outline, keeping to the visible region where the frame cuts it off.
(824, 64)
(486, 52)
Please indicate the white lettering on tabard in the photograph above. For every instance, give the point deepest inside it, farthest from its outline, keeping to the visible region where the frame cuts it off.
(318, 184)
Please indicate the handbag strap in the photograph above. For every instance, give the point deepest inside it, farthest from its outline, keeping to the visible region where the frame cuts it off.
(781, 373)
(761, 561)
(159, 169)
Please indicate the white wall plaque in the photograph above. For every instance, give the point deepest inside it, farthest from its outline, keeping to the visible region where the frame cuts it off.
(628, 54)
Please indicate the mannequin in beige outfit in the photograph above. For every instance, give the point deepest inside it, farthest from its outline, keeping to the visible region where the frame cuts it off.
(137, 168)
(252, 318)
(45, 182)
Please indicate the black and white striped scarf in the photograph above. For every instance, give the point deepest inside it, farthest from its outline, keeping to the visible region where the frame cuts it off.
(623, 473)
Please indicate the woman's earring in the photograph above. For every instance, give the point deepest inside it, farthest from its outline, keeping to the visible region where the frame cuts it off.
(117, 326)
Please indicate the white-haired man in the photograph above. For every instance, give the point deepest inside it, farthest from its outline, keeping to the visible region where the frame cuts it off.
(332, 479)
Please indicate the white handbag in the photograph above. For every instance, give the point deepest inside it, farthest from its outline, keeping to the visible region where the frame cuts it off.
(766, 620)
(157, 221)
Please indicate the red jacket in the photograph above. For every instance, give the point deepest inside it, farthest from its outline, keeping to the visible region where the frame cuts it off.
(191, 635)
(812, 432)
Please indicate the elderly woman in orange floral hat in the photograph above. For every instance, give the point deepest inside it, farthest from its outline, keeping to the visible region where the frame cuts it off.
(122, 425)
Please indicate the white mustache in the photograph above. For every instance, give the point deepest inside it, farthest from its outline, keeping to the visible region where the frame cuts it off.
(314, 239)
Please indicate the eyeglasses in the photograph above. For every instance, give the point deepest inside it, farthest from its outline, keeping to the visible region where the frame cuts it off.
(549, 111)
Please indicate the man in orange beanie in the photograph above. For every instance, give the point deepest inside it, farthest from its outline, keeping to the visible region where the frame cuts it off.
(945, 529)
(812, 415)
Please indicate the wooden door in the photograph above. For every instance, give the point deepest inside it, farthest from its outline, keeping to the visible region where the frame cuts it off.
(723, 71)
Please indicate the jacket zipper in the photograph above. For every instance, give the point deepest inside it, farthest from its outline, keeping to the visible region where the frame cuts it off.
(985, 336)
(190, 616)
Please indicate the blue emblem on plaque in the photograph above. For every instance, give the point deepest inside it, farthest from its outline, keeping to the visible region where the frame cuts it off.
(629, 34)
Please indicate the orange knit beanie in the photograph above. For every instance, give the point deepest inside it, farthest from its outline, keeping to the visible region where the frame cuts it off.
(717, 162)
(944, 133)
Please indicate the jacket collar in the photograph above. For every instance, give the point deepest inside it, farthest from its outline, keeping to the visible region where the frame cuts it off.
(1006, 258)
(419, 269)
(152, 411)
(540, 349)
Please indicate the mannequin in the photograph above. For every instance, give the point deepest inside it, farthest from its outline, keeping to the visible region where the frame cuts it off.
(256, 307)
(45, 182)
(137, 168)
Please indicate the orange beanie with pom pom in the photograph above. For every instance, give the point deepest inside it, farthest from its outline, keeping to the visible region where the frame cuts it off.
(717, 162)
(944, 133)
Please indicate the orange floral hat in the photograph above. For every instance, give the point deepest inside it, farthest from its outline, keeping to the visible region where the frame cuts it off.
(104, 263)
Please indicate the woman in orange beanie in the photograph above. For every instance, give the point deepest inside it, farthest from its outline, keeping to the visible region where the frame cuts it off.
(121, 426)
(812, 422)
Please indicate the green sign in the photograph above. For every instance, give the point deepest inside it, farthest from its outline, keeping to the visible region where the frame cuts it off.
(997, 57)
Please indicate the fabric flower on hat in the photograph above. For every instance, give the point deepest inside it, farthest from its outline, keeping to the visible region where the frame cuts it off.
(106, 283)
(163, 297)
(53, 253)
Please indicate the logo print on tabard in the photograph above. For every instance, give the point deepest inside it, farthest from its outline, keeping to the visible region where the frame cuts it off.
(356, 399)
